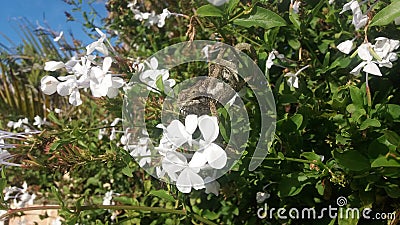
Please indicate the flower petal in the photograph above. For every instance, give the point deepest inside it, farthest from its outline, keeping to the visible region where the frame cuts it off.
(49, 85)
(372, 68)
(188, 179)
(75, 98)
(345, 46)
(209, 128)
(216, 156)
(198, 160)
(153, 63)
(176, 133)
(364, 53)
(107, 64)
(191, 123)
(358, 68)
(212, 186)
(53, 65)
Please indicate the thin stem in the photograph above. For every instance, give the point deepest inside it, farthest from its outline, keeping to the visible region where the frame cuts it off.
(93, 207)
(368, 92)
(111, 207)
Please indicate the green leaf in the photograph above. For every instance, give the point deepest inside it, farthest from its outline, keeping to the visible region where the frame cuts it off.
(127, 171)
(163, 194)
(210, 214)
(292, 184)
(159, 83)
(387, 14)
(352, 160)
(294, 43)
(382, 161)
(377, 148)
(326, 60)
(356, 96)
(311, 156)
(392, 137)
(392, 190)
(294, 18)
(54, 119)
(298, 120)
(369, 123)
(209, 11)
(260, 17)
(232, 5)
(394, 111)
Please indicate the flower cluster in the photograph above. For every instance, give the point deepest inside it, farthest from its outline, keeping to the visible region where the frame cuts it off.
(21, 197)
(208, 155)
(359, 19)
(150, 18)
(292, 78)
(85, 73)
(373, 56)
(381, 51)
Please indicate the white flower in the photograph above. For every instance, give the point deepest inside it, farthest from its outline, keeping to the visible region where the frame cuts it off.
(107, 200)
(212, 186)
(367, 65)
(207, 155)
(161, 18)
(188, 178)
(178, 134)
(293, 80)
(151, 76)
(384, 48)
(352, 5)
(56, 39)
(346, 46)
(102, 132)
(53, 65)
(23, 197)
(49, 85)
(211, 153)
(141, 151)
(100, 80)
(295, 6)
(150, 18)
(218, 2)
(269, 62)
(359, 19)
(70, 86)
(39, 121)
(113, 131)
(19, 124)
(98, 45)
(262, 196)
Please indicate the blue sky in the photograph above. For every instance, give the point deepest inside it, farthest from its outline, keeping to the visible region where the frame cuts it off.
(42, 12)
